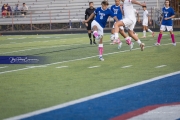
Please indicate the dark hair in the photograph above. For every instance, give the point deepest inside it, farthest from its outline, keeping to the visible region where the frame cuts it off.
(104, 2)
(144, 6)
(90, 3)
(169, 2)
(23, 3)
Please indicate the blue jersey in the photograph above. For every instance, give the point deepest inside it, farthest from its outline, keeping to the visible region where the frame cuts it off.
(117, 11)
(102, 16)
(167, 13)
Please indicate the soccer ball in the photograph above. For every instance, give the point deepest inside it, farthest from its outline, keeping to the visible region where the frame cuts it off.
(112, 37)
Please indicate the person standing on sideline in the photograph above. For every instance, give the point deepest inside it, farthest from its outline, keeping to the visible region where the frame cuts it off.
(88, 12)
(99, 23)
(145, 21)
(166, 23)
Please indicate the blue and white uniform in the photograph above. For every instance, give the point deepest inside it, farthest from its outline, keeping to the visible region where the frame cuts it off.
(101, 19)
(117, 12)
(167, 24)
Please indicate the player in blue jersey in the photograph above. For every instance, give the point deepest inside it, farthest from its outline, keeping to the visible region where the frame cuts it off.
(166, 22)
(102, 13)
(118, 12)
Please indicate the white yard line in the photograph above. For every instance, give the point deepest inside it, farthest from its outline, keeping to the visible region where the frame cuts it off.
(160, 66)
(93, 66)
(62, 67)
(126, 66)
(23, 116)
(80, 59)
(3, 67)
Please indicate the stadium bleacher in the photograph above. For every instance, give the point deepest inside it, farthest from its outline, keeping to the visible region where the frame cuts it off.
(58, 11)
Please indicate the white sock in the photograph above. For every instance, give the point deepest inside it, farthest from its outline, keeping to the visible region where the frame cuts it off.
(149, 31)
(144, 33)
(116, 35)
(138, 41)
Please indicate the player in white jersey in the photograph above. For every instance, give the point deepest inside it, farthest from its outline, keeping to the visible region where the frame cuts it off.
(145, 21)
(129, 21)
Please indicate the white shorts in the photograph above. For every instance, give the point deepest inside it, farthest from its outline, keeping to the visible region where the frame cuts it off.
(100, 29)
(129, 23)
(164, 27)
(145, 23)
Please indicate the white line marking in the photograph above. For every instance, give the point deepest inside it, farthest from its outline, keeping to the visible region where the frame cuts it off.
(160, 66)
(36, 66)
(93, 66)
(89, 97)
(3, 67)
(62, 67)
(126, 66)
(164, 35)
(80, 59)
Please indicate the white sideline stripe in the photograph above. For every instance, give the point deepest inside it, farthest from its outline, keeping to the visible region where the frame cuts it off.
(62, 67)
(88, 98)
(80, 59)
(126, 66)
(160, 66)
(36, 66)
(93, 66)
(3, 67)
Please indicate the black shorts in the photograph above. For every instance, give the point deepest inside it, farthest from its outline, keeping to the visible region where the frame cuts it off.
(89, 25)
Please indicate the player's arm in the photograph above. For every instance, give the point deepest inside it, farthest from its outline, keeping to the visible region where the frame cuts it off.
(122, 11)
(138, 3)
(149, 20)
(86, 17)
(138, 17)
(90, 17)
(115, 18)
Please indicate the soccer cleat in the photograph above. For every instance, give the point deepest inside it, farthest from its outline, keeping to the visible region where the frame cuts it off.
(94, 42)
(157, 44)
(119, 45)
(142, 46)
(101, 58)
(153, 34)
(131, 46)
(174, 44)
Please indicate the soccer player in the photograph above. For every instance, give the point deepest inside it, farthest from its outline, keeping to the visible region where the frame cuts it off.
(88, 12)
(118, 12)
(146, 19)
(129, 21)
(166, 22)
(102, 13)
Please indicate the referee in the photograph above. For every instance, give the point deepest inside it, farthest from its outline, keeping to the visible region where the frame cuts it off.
(88, 12)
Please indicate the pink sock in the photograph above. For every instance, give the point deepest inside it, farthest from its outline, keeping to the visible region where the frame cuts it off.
(159, 38)
(173, 38)
(100, 51)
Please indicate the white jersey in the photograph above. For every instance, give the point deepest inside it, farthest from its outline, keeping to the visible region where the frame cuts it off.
(129, 10)
(145, 15)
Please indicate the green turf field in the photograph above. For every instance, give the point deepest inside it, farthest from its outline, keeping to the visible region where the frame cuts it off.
(74, 71)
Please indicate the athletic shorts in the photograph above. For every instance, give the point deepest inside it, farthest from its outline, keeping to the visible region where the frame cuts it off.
(164, 27)
(145, 23)
(121, 27)
(89, 25)
(130, 24)
(100, 29)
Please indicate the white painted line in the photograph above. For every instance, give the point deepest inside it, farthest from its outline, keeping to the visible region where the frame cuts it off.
(93, 66)
(62, 67)
(3, 67)
(23, 116)
(81, 58)
(126, 66)
(160, 66)
(36, 66)
(10, 38)
(45, 41)
(164, 35)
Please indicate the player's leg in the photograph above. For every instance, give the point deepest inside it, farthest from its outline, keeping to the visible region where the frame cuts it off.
(112, 36)
(149, 30)
(89, 28)
(170, 29)
(121, 31)
(100, 47)
(135, 37)
(144, 31)
(89, 35)
(162, 28)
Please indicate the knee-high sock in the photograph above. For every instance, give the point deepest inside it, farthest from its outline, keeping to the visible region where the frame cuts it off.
(144, 33)
(101, 49)
(149, 30)
(173, 38)
(89, 34)
(159, 38)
